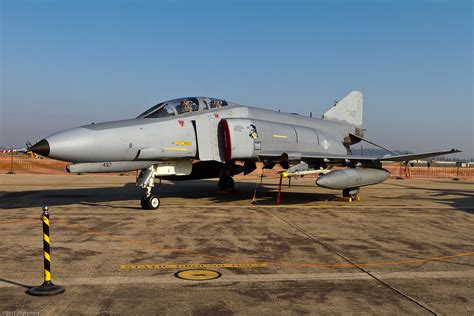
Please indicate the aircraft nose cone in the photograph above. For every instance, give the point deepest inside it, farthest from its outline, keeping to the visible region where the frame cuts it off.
(41, 148)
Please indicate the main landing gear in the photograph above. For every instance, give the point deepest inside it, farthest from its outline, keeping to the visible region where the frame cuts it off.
(146, 181)
(225, 179)
(226, 183)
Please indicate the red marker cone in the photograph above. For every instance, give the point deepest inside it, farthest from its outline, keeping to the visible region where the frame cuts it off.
(254, 199)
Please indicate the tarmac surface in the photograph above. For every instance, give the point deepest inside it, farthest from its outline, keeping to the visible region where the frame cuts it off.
(406, 248)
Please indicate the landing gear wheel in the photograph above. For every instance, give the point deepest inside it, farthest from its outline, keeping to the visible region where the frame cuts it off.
(230, 183)
(143, 202)
(226, 183)
(151, 202)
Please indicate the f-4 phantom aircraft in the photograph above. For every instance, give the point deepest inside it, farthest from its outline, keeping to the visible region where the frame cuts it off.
(201, 137)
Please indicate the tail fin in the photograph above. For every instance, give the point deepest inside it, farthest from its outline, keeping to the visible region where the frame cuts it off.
(349, 109)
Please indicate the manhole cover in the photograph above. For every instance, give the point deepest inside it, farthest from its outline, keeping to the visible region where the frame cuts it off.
(197, 275)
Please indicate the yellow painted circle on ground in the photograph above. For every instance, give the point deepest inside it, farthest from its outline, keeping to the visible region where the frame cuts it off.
(197, 275)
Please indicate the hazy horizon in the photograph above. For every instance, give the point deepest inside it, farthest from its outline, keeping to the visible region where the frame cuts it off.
(65, 64)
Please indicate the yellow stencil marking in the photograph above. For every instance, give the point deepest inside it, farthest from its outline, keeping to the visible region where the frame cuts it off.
(279, 136)
(182, 143)
(176, 149)
(193, 265)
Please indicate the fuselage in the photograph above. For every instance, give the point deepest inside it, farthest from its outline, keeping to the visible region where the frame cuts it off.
(200, 137)
(198, 134)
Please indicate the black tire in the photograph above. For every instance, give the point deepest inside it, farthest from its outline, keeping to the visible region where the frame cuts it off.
(226, 183)
(152, 202)
(143, 202)
(230, 183)
(222, 184)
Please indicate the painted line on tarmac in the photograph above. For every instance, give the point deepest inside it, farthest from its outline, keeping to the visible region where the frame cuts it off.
(191, 253)
(229, 278)
(344, 205)
(193, 266)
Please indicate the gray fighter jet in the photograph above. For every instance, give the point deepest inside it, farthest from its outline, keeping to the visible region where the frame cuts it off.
(201, 137)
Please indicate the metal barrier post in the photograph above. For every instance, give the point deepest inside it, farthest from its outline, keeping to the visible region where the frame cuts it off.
(458, 165)
(11, 165)
(48, 287)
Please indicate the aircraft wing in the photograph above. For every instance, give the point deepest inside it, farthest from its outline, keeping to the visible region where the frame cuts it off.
(291, 156)
(409, 157)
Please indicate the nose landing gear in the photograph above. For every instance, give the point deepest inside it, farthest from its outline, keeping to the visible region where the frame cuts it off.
(145, 180)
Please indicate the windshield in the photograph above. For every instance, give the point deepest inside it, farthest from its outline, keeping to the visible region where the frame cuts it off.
(164, 110)
(181, 106)
(152, 109)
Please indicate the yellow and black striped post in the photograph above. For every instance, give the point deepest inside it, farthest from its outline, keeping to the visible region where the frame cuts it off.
(47, 288)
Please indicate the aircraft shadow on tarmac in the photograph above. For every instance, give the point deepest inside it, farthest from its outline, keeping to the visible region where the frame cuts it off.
(463, 200)
(207, 191)
(199, 189)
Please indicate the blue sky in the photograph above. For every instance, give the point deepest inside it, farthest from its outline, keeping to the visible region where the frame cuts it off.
(69, 63)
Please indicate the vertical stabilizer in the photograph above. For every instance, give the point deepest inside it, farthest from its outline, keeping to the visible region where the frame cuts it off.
(348, 110)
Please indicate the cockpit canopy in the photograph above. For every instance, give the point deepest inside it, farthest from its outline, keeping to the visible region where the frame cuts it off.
(181, 106)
